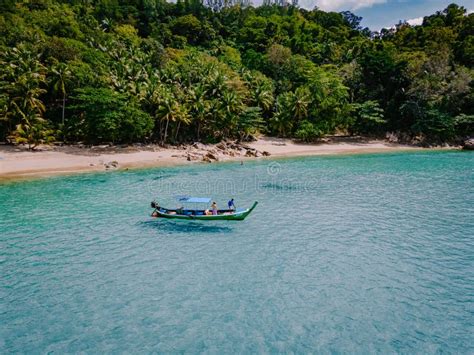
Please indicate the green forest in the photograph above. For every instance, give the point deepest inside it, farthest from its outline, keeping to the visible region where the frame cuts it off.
(114, 71)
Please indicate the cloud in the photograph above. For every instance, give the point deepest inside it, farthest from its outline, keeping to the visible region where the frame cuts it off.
(415, 21)
(419, 20)
(339, 5)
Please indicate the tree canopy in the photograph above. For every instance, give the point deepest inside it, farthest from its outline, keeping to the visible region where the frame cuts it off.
(131, 71)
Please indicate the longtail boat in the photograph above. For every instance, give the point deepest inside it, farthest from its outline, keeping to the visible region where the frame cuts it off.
(204, 214)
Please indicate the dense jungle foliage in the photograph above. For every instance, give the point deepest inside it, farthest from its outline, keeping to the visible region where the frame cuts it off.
(140, 71)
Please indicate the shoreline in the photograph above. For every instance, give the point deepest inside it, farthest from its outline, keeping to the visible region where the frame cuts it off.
(17, 163)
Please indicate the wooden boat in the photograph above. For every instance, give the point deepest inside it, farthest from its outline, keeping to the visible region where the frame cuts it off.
(204, 214)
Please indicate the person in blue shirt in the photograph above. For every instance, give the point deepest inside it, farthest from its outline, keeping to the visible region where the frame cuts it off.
(231, 204)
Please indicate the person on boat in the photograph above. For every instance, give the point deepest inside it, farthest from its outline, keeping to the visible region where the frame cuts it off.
(214, 208)
(231, 204)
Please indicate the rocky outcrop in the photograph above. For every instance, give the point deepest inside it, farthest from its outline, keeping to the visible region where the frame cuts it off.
(469, 144)
(211, 156)
(212, 153)
(199, 146)
(405, 138)
(111, 165)
(192, 156)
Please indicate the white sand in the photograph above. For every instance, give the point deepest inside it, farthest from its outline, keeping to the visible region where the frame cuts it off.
(16, 162)
(279, 147)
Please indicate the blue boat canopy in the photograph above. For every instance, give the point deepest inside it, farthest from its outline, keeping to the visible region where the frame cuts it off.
(188, 199)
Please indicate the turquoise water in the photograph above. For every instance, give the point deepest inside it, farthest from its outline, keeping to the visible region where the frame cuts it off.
(370, 253)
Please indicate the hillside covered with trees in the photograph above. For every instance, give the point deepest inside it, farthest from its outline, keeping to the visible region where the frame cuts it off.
(152, 71)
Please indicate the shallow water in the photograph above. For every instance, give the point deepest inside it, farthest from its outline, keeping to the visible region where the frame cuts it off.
(369, 253)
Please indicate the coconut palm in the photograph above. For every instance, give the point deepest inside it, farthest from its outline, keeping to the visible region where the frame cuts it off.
(26, 108)
(27, 99)
(61, 74)
(21, 78)
(250, 122)
(231, 106)
(261, 90)
(282, 121)
(263, 97)
(181, 117)
(215, 83)
(170, 109)
(29, 108)
(300, 101)
(198, 107)
(165, 112)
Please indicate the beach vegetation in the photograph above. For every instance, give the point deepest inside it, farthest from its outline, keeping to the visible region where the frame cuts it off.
(156, 71)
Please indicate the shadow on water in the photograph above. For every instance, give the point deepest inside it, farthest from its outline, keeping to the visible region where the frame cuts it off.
(163, 176)
(185, 226)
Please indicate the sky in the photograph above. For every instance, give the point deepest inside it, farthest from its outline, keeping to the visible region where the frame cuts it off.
(385, 13)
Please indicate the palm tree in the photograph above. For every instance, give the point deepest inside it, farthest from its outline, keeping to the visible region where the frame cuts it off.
(215, 83)
(28, 98)
(181, 117)
(170, 109)
(61, 73)
(165, 112)
(250, 122)
(282, 120)
(281, 123)
(231, 105)
(21, 78)
(263, 97)
(261, 90)
(198, 106)
(106, 24)
(300, 101)
(30, 109)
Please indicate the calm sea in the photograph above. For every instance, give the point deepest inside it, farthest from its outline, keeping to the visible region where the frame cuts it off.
(351, 254)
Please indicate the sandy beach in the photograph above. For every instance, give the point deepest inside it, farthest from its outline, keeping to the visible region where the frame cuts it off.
(18, 162)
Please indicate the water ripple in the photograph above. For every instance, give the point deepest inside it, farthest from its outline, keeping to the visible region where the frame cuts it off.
(343, 254)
